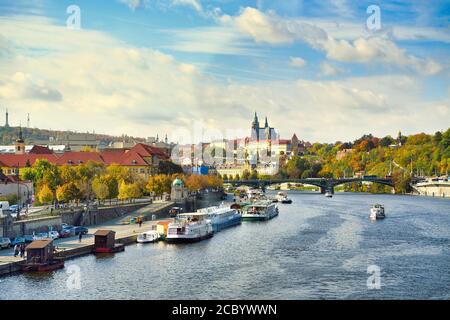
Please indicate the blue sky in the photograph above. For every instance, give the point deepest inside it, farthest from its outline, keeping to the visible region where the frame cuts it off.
(145, 67)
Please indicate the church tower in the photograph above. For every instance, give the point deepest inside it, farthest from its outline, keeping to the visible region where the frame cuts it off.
(255, 128)
(7, 119)
(20, 143)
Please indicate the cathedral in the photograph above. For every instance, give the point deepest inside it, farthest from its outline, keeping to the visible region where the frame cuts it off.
(265, 133)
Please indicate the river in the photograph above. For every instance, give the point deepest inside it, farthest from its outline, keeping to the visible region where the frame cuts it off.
(317, 248)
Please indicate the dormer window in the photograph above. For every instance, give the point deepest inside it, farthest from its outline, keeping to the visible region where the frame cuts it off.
(134, 162)
(80, 161)
(70, 162)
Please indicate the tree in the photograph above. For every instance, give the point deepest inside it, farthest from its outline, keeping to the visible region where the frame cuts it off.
(159, 184)
(45, 195)
(253, 175)
(169, 168)
(68, 174)
(101, 188)
(387, 141)
(245, 175)
(129, 191)
(68, 192)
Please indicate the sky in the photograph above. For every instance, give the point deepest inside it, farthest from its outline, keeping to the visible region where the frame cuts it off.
(198, 70)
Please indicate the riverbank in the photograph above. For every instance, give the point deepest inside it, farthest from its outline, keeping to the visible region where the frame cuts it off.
(71, 247)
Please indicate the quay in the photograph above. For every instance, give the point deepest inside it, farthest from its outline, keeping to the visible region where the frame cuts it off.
(70, 248)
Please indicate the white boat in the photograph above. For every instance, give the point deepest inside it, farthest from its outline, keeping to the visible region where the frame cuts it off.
(259, 211)
(190, 227)
(254, 194)
(377, 212)
(148, 237)
(283, 198)
(222, 217)
(328, 194)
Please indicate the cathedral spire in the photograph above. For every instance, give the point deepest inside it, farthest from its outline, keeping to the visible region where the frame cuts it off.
(267, 123)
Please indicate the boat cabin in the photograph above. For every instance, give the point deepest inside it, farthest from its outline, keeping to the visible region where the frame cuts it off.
(40, 251)
(105, 239)
(40, 257)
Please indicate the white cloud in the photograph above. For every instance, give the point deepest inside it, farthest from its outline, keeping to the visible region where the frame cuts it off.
(327, 69)
(135, 4)
(272, 29)
(297, 62)
(191, 3)
(85, 80)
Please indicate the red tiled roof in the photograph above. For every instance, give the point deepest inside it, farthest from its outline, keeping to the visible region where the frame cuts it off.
(76, 158)
(113, 156)
(133, 158)
(21, 160)
(148, 151)
(40, 150)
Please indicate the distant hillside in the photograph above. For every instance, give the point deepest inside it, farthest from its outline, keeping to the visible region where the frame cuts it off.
(8, 135)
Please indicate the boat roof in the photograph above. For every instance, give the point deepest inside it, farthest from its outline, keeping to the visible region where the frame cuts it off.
(259, 204)
(103, 233)
(39, 244)
(193, 214)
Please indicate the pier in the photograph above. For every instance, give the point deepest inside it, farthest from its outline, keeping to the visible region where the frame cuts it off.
(71, 247)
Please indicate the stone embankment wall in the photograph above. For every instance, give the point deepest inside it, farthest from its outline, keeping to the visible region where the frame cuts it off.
(82, 217)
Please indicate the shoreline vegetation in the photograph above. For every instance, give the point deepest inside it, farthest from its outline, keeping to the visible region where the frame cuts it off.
(400, 159)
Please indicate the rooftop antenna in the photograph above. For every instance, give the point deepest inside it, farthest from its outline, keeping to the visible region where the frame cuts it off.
(28, 120)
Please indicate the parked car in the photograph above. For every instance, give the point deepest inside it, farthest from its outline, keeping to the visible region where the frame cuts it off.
(28, 238)
(53, 235)
(41, 236)
(5, 243)
(18, 241)
(66, 233)
(14, 208)
(82, 230)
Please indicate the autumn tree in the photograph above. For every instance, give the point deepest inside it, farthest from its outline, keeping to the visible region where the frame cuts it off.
(45, 195)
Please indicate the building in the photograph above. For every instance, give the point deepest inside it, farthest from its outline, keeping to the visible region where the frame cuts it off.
(142, 159)
(178, 191)
(11, 186)
(7, 119)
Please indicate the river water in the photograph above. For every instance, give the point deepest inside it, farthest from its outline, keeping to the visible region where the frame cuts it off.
(317, 248)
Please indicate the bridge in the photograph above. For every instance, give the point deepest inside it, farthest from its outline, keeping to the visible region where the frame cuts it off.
(325, 185)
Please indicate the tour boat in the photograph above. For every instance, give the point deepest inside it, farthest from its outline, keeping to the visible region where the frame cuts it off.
(148, 237)
(283, 198)
(259, 211)
(222, 217)
(190, 227)
(377, 212)
(328, 194)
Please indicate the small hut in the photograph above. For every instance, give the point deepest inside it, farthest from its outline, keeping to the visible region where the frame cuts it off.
(105, 242)
(40, 257)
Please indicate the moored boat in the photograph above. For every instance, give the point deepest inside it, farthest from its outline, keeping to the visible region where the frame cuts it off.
(190, 227)
(283, 198)
(377, 212)
(328, 194)
(148, 237)
(259, 211)
(40, 257)
(222, 217)
(105, 242)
